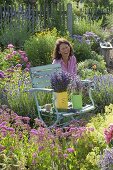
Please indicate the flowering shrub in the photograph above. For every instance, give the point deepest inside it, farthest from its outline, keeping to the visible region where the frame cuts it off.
(108, 133)
(106, 160)
(10, 58)
(60, 81)
(36, 148)
(90, 67)
(103, 91)
(39, 47)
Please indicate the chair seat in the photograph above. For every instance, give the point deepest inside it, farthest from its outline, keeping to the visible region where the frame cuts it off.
(75, 112)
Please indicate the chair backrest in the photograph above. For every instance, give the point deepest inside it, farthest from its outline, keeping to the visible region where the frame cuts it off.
(40, 75)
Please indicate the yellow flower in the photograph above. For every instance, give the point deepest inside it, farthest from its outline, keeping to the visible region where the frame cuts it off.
(94, 67)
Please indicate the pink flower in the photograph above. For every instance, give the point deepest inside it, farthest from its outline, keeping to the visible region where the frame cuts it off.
(10, 46)
(25, 59)
(28, 65)
(9, 56)
(26, 69)
(65, 155)
(18, 66)
(108, 134)
(2, 75)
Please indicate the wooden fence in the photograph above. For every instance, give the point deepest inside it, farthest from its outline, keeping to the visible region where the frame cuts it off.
(39, 17)
(36, 18)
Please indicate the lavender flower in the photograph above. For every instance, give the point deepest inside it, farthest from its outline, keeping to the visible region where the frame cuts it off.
(76, 85)
(2, 74)
(106, 160)
(60, 81)
(70, 150)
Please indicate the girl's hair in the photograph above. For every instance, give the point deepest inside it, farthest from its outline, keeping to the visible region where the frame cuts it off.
(56, 54)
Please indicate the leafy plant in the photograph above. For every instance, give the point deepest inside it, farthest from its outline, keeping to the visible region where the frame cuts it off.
(16, 32)
(10, 58)
(103, 91)
(83, 25)
(40, 46)
(91, 67)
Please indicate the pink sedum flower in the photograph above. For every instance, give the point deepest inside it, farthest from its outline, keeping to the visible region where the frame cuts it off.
(25, 59)
(10, 46)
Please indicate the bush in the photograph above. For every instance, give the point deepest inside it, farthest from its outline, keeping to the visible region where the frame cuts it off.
(103, 92)
(14, 33)
(82, 25)
(90, 67)
(40, 46)
(82, 50)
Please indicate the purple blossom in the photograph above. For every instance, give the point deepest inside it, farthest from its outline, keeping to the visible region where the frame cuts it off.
(18, 66)
(106, 160)
(60, 81)
(65, 155)
(2, 148)
(26, 69)
(2, 75)
(70, 150)
(14, 52)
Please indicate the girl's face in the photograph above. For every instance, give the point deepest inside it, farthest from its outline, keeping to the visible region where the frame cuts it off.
(64, 50)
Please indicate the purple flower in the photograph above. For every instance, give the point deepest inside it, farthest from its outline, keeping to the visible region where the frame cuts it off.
(65, 155)
(14, 52)
(2, 148)
(70, 150)
(106, 160)
(18, 66)
(2, 74)
(60, 81)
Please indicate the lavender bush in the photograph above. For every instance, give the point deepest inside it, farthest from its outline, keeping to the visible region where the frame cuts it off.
(60, 81)
(103, 91)
(106, 160)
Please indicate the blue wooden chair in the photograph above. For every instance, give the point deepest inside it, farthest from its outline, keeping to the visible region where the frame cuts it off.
(40, 78)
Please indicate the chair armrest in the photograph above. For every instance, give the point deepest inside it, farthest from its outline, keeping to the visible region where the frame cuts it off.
(39, 89)
(88, 83)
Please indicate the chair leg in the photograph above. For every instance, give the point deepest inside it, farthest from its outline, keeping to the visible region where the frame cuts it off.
(38, 109)
(40, 117)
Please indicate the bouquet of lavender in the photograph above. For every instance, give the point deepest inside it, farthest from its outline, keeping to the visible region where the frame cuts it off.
(76, 85)
(60, 81)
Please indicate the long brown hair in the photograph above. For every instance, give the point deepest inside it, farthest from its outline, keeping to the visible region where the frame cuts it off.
(56, 54)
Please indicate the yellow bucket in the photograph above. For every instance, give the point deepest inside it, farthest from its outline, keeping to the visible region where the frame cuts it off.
(61, 100)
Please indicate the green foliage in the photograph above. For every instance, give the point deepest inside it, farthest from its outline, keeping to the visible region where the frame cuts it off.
(16, 32)
(82, 50)
(40, 46)
(109, 22)
(10, 58)
(97, 3)
(103, 91)
(90, 67)
(83, 25)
